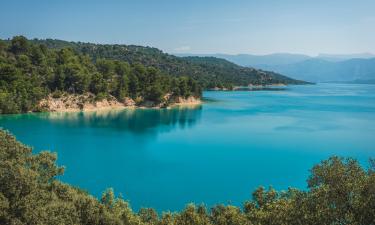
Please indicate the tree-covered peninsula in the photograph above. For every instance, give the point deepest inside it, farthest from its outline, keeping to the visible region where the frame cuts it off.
(339, 191)
(210, 72)
(55, 75)
(33, 76)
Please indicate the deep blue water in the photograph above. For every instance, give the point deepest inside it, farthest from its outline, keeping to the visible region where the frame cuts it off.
(215, 153)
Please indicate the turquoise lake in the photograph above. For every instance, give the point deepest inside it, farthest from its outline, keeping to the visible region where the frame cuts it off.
(218, 152)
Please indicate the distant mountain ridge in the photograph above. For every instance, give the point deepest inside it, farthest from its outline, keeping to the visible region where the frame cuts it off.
(319, 70)
(254, 60)
(323, 68)
(338, 57)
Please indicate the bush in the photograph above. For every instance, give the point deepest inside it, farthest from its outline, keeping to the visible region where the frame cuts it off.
(57, 94)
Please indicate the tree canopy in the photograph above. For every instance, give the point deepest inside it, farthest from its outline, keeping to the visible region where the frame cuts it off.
(30, 71)
(208, 71)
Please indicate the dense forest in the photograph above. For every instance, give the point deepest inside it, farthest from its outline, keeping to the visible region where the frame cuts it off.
(30, 71)
(339, 191)
(208, 71)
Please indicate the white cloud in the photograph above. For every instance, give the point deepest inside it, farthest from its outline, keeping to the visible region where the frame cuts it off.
(182, 48)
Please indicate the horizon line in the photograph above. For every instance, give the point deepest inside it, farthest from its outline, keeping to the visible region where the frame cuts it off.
(173, 52)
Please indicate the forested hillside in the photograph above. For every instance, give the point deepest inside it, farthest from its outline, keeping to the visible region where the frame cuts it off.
(208, 71)
(30, 71)
(339, 191)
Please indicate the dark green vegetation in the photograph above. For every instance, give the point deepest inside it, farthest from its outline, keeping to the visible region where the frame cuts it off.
(208, 71)
(29, 72)
(339, 191)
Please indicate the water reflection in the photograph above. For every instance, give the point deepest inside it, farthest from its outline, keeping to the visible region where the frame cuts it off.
(137, 121)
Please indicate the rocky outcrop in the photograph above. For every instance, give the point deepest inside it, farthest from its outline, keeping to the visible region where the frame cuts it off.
(129, 102)
(170, 100)
(187, 101)
(88, 102)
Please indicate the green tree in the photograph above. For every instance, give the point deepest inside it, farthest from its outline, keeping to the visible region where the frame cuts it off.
(154, 93)
(190, 216)
(19, 44)
(148, 216)
(76, 78)
(133, 85)
(98, 84)
(30, 70)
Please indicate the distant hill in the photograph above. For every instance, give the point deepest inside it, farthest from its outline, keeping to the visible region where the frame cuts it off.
(323, 68)
(338, 57)
(319, 70)
(208, 71)
(256, 60)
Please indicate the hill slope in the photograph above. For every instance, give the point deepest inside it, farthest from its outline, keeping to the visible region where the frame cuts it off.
(208, 71)
(255, 60)
(31, 74)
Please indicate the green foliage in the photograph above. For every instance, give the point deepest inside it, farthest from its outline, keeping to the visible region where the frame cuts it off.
(29, 71)
(148, 216)
(208, 71)
(154, 93)
(19, 44)
(32, 69)
(339, 191)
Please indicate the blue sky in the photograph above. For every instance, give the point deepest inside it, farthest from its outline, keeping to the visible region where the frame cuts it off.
(211, 26)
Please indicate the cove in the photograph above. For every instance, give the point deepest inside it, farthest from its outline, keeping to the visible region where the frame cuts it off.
(218, 152)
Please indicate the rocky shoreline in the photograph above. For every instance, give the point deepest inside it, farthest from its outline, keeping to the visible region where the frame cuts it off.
(88, 102)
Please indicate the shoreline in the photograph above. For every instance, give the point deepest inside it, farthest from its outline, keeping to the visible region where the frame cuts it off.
(256, 86)
(85, 103)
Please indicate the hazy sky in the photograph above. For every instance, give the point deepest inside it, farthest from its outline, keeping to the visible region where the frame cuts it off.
(199, 26)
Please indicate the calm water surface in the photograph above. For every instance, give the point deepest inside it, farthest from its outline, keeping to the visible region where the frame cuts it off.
(215, 153)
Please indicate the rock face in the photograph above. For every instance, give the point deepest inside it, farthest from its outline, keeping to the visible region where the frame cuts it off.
(169, 100)
(129, 102)
(88, 102)
(190, 100)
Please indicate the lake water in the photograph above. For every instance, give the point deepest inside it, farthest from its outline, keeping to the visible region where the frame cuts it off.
(215, 153)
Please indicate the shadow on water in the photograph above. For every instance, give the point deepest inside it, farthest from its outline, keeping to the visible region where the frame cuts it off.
(210, 100)
(99, 144)
(136, 121)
